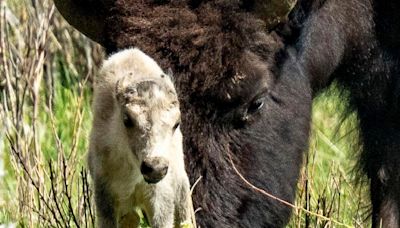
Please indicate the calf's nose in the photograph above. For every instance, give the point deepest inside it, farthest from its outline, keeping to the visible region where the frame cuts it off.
(154, 169)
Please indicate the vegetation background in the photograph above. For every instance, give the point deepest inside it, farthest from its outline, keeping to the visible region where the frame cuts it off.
(46, 71)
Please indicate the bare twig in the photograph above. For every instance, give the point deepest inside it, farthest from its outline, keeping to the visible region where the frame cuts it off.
(263, 192)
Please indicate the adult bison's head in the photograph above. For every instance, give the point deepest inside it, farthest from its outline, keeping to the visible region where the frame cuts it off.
(242, 96)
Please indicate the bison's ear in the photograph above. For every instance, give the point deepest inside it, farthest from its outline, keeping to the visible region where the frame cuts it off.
(87, 16)
(273, 12)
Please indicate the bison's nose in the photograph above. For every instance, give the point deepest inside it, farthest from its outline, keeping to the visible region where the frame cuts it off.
(154, 169)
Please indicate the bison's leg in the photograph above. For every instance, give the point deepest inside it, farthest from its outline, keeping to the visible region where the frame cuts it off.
(381, 160)
(385, 200)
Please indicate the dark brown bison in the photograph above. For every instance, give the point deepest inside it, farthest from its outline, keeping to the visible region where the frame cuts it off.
(246, 81)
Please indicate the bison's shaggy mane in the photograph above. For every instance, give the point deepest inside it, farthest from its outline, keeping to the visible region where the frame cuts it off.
(203, 45)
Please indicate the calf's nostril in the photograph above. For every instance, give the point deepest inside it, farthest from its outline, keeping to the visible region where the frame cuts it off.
(164, 170)
(146, 168)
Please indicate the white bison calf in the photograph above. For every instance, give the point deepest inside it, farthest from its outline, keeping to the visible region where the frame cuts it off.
(135, 154)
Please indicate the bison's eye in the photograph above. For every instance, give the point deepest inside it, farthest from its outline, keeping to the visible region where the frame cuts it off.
(252, 109)
(128, 122)
(176, 126)
(255, 106)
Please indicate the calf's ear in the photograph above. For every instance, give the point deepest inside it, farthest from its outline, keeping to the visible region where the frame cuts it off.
(87, 16)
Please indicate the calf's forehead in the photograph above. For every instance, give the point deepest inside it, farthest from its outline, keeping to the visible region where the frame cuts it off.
(133, 60)
(161, 118)
(154, 100)
(151, 93)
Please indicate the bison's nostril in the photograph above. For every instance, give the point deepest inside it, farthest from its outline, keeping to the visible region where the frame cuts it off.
(146, 168)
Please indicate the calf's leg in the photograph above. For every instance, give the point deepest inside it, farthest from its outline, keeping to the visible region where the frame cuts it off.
(130, 220)
(104, 206)
(159, 209)
(184, 212)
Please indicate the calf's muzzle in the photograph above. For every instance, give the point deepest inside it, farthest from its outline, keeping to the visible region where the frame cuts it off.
(154, 169)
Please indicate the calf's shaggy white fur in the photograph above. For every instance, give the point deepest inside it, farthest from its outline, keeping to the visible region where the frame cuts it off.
(135, 153)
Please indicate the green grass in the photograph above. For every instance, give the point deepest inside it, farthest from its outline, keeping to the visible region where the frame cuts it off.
(48, 125)
(329, 183)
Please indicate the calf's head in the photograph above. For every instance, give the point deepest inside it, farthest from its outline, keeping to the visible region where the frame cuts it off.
(147, 112)
(150, 115)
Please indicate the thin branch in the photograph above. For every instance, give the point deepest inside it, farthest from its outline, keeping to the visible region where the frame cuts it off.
(54, 191)
(67, 194)
(263, 192)
(23, 165)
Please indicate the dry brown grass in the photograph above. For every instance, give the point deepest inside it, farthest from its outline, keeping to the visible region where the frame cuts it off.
(47, 183)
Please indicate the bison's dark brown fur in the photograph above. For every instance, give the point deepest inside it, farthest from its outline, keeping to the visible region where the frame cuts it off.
(205, 45)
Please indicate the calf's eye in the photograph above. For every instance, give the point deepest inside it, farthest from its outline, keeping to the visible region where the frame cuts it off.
(176, 126)
(128, 121)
